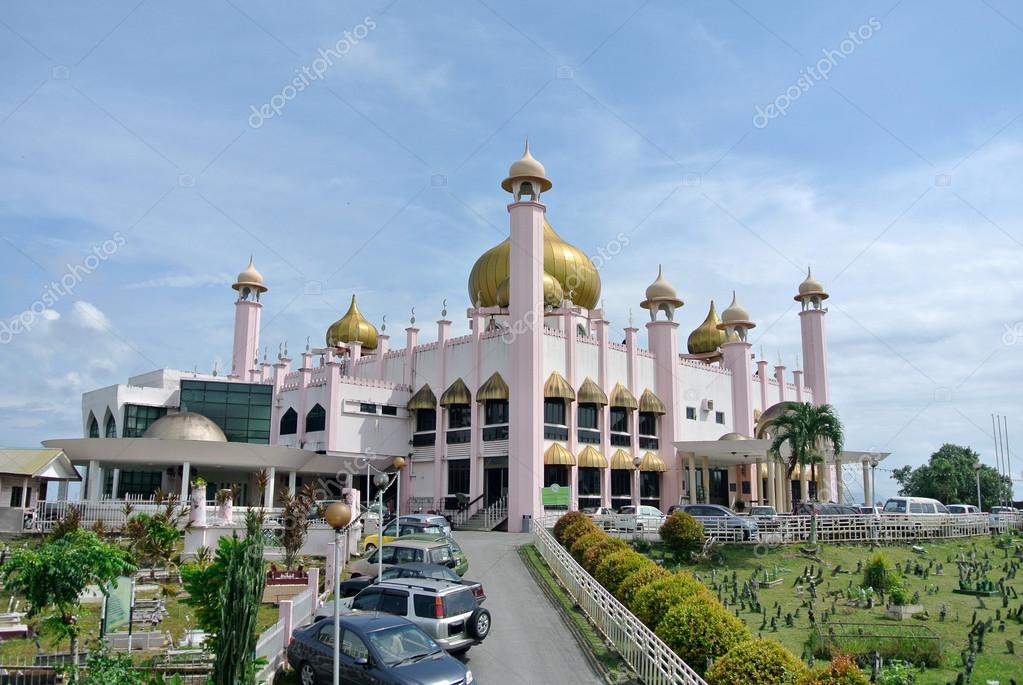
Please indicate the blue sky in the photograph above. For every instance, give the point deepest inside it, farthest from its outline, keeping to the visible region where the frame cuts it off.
(896, 178)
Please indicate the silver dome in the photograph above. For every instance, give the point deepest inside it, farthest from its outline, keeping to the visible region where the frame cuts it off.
(186, 425)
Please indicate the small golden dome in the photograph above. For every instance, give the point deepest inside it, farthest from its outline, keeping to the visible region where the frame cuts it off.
(527, 167)
(352, 327)
(707, 337)
(735, 315)
(661, 291)
(250, 278)
(810, 287)
(573, 270)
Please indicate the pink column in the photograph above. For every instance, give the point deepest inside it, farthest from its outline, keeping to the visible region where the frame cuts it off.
(280, 371)
(737, 360)
(525, 357)
(333, 408)
(408, 373)
(383, 344)
(779, 375)
(605, 419)
(305, 373)
(475, 446)
(246, 336)
(663, 339)
(568, 311)
(440, 456)
(797, 379)
(815, 355)
(314, 585)
(630, 378)
(762, 375)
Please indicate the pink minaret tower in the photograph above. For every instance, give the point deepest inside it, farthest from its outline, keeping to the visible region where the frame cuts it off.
(526, 180)
(815, 354)
(736, 323)
(246, 321)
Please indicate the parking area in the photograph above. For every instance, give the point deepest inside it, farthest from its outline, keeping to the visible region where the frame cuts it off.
(529, 641)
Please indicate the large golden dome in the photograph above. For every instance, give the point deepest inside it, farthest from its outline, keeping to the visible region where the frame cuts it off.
(352, 327)
(566, 263)
(707, 337)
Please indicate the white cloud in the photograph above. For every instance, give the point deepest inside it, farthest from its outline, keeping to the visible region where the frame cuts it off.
(89, 316)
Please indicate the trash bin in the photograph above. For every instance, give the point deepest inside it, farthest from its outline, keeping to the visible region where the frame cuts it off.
(527, 523)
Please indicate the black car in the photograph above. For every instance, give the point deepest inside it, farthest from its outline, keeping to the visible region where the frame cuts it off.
(375, 648)
(353, 586)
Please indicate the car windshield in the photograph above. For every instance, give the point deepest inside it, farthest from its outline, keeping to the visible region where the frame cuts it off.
(402, 644)
(895, 506)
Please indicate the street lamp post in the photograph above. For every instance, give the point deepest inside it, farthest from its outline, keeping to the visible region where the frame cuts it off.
(976, 470)
(381, 481)
(873, 481)
(338, 516)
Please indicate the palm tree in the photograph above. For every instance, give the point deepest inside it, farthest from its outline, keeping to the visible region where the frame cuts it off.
(809, 431)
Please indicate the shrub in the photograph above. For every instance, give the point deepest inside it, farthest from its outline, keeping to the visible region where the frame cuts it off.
(653, 601)
(576, 530)
(841, 671)
(755, 662)
(616, 567)
(898, 595)
(584, 542)
(879, 574)
(644, 575)
(567, 520)
(682, 533)
(896, 674)
(596, 552)
(700, 628)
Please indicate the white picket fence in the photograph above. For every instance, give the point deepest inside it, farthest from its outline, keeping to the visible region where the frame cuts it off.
(272, 643)
(654, 662)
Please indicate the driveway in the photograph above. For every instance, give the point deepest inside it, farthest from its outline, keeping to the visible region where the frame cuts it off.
(529, 641)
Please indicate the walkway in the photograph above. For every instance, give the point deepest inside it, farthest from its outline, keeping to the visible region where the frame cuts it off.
(529, 641)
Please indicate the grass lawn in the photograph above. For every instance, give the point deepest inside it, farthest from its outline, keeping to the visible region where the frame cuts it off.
(994, 663)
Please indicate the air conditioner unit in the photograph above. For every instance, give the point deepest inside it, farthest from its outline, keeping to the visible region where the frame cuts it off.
(707, 405)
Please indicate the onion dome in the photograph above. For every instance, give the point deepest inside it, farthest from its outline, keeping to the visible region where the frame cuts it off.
(811, 290)
(567, 264)
(707, 337)
(734, 437)
(553, 293)
(735, 317)
(660, 292)
(527, 168)
(352, 327)
(250, 278)
(186, 425)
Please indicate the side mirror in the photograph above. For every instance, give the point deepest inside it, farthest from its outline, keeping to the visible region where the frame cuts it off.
(364, 662)
(451, 563)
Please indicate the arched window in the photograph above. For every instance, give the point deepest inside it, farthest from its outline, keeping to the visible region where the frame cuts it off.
(289, 422)
(110, 430)
(93, 426)
(316, 419)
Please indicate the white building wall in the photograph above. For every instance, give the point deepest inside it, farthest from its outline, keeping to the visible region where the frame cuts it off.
(587, 355)
(553, 355)
(646, 374)
(697, 386)
(617, 368)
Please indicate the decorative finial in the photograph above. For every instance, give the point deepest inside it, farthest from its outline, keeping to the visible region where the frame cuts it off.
(526, 151)
(797, 362)
(413, 319)
(444, 309)
(630, 317)
(216, 366)
(285, 348)
(779, 359)
(383, 323)
(307, 343)
(571, 295)
(266, 353)
(603, 307)
(479, 298)
(280, 351)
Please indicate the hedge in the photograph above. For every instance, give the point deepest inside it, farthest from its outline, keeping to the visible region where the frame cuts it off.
(617, 566)
(576, 530)
(700, 628)
(682, 533)
(584, 542)
(756, 662)
(596, 553)
(653, 601)
(644, 575)
(841, 671)
(567, 520)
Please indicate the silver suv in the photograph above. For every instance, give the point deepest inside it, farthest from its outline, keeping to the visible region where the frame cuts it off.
(447, 611)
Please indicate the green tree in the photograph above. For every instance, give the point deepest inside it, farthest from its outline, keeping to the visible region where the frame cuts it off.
(54, 575)
(950, 476)
(234, 643)
(809, 431)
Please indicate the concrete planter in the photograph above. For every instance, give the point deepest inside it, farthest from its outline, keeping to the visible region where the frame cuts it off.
(903, 611)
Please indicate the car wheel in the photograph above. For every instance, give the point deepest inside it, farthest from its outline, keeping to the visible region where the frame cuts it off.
(479, 624)
(306, 675)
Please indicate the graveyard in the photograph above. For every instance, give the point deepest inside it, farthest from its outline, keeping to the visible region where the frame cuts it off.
(957, 611)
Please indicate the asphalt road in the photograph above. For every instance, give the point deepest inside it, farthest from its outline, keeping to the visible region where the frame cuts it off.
(529, 642)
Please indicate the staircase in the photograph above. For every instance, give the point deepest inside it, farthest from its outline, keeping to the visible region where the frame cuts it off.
(487, 518)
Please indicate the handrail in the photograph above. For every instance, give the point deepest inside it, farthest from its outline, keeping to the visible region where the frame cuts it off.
(464, 515)
(653, 661)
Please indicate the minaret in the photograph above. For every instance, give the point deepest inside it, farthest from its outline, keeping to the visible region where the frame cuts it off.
(811, 322)
(736, 323)
(527, 179)
(246, 320)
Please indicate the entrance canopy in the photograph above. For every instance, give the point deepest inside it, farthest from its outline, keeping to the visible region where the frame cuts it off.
(734, 452)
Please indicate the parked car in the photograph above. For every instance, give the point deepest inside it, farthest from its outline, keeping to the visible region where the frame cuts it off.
(353, 586)
(914, 505)
(762, 512)
(999, 517)
(962, 509)
(721, 521)
(406, 525)
(461, 561)
(925, 518)
(375, 648)
(638, 518)
(430, 520)
(867, 509)
(404, 551)
(826, 509)
(447, 612)
(602, 516)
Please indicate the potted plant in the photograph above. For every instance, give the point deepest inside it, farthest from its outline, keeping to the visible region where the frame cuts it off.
(225, 502)
(198, 502)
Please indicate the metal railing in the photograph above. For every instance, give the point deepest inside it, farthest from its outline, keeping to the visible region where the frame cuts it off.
(653, 661)
(113, 513)
(784, 529)
(496, 512)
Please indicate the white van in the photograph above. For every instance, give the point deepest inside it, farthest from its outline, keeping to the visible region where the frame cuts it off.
(914, 505)
(962, 509)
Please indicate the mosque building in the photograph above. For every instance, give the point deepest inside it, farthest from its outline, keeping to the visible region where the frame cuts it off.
(536, 408)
